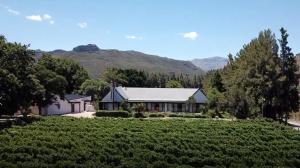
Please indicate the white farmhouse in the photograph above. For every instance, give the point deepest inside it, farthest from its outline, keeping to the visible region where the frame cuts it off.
(70, 104)
(156, 99)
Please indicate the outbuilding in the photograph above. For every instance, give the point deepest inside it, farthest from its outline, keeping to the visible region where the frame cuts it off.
(71, 103)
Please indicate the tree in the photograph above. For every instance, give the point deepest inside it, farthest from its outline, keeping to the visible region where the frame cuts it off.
(95, 88)
(53, 84)
(9, 85)
(74, 74)
(216, 81)
(16, 62)
(253, 76)
(173, 84)
(289, 93)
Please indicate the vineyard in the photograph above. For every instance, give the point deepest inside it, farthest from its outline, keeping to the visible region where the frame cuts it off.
(108, 142)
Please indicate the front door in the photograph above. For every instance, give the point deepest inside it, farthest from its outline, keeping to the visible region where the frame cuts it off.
(72, 108)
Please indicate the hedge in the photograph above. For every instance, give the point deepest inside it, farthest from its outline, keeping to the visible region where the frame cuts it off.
(156, 115)
(123, 114)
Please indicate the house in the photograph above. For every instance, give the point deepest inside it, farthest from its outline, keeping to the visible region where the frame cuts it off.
(71, 103)
(156, 99)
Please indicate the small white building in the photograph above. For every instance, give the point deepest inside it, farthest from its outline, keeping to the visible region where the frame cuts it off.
(71, 103)
(156, 99)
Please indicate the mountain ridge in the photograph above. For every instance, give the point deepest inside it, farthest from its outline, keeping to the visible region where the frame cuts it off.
(96, 60)
(210, 63)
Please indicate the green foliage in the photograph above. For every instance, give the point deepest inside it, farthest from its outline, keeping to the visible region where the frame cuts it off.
(289, 68)
(156, 115)
(19, 86)
(9, 85)
(202, 109)
(139, 107)
(105, 142)
(136, 78)
(54, 85)
(173, 84)
(123, 114)
(113, 76)
(216, 81)
(74, 74)
(125, 106)
(253, 80)
(139, 115)
(95, 88)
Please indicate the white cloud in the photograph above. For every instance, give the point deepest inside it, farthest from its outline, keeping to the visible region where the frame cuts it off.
(37, 18)
(47, 17)
(190, 35)
(130, 37)
(133, 37)
(82, 25)
(14, 12)
(51, 21)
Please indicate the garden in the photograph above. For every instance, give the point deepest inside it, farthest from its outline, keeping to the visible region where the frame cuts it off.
(118, 142)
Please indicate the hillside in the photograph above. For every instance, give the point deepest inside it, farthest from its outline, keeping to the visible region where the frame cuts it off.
(210, 63)
(96, 60)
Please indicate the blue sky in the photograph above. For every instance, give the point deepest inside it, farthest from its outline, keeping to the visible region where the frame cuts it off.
(179, 29)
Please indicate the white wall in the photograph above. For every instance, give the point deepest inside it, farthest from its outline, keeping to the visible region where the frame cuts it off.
(64, 107)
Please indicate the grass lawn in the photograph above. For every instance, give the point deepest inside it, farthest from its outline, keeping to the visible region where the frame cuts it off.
(109, 142)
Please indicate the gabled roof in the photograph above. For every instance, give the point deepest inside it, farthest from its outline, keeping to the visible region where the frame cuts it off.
(134, 94)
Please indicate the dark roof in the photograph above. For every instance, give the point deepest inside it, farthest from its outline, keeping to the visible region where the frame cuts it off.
(70, 97)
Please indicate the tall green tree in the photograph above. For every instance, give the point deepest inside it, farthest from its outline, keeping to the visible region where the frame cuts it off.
(173, 84)
(253, 78)
(74, 74)
(16, 62)
(9, 85)
(216, 81)
(289, 92)
(95, 88)
(53, 84)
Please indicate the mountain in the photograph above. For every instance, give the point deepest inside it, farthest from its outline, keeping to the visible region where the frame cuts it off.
(96, 60)
(210, 63)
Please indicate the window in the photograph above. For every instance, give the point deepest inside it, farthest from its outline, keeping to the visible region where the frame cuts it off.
(57, 105)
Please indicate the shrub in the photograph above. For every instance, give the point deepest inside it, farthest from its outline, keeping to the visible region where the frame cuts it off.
(203, 109)
(124, 106)
(175, 115)
(139, 115)
(156, 115)
(188, 115)
(123, 114)
(139, 107)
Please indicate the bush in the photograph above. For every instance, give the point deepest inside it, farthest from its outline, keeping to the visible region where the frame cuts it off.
(139, 115)
(123, 114)
(156, 115)
(175, 115)
(188, 115)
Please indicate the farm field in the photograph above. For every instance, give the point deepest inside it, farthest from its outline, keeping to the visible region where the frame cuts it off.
(108, 142)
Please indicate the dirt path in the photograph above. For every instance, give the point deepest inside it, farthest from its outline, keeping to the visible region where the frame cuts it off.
(295, 124)
(81, 115)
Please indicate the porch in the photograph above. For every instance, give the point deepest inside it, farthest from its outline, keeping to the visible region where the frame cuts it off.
(157, 106)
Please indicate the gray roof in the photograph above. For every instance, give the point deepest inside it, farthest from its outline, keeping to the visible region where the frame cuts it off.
(134, 94)
(71, 97)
